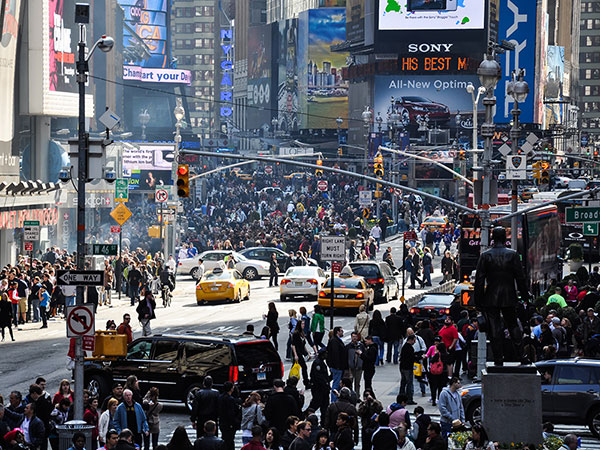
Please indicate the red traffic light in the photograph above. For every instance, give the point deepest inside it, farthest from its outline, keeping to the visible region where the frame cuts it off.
(182, 170)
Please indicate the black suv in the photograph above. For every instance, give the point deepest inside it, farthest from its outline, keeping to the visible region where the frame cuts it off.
(570, 393)
(380, 278)
(177, 364)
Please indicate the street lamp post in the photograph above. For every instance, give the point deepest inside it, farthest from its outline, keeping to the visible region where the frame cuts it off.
(475, 98)
(339, 121)
(518, 90)
(105, 43)
(179, 114)
(489, 73)
(366, 115)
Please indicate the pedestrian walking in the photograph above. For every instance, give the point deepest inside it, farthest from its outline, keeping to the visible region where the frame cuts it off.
(299, 351)
(273, 271)
(342, 439)
(427, 267)
(378, 331)
(205, 406)
(450, 406)
(252, 416)
(145, 310)
(407, 360)
(337, 359)
(130, 415)
(279, 407)
(272, 317)
(44, 302)
(292, 321)
(436, 369)
(354, 350)
(361, 322)
(107, 422)
(368, 409)
(180, 440)
(91, 417)
(153, 408)
(320, 379)
(209, 440)
(369, 358)
(317, 327)
(6, 315)
(230, 415)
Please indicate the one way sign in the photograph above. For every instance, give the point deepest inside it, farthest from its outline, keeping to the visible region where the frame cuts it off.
(80, 277)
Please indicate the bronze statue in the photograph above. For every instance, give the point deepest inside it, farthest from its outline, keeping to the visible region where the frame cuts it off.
(498, 270)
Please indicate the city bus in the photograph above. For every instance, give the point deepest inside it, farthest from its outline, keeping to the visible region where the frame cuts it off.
(539, 241)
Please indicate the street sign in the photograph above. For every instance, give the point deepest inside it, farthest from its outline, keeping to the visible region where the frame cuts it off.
(104, 249)
(167, 216)
(161, 195)
(336, 267)
(333, 248)
(365, 198)
(121, 214)
(590, 229)
(322, 185)
(122, 190)
(80, 320)
(115, 229)
(28, 246)
(88, 343)
(31, 230)
(268, 170)
(582, 215)
(516, 167)
(80, 277)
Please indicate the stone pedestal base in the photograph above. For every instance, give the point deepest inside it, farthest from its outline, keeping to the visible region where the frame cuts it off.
(512, 404)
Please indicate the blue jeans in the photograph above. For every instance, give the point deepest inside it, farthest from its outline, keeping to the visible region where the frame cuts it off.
(396, 346)
(35, 305)
(70, 300)
(377, 340)
(406, 385)
(15, 309)
(446, 429)
(427, 275)
(337, 377)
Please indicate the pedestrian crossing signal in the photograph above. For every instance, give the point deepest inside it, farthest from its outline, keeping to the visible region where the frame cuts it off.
(183, 180)
(467, 299)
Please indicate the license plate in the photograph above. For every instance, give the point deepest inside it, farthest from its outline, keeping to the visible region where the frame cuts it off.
(261, 376)
(340, 296)
(298, 283)
(216, 288)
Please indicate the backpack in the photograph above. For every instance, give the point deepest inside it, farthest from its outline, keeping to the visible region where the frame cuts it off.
(436, 366)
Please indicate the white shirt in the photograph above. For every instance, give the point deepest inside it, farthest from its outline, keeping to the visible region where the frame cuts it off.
(171, 264)
(376, 232)
(25, 428)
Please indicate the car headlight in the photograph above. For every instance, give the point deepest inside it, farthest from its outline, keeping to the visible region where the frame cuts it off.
(419, 108)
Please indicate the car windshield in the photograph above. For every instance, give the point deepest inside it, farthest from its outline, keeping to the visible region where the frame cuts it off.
(211, 276)
(434, 219)
(350, 283)
(415, 99)
(302, 272)
(436, 300)
(366, 271)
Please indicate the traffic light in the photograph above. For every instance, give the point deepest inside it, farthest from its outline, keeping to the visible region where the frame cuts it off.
(545, 177)
(462, 155)
(467, 299)
(340, 151)
(183, 180)
(536, 170)
(378, 166)
(319, 172)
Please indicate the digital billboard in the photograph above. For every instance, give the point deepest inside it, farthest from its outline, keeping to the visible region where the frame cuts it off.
(260, 58)
(287, 79)
(52, 53)
(355, 20)
(147, 157)
(553, 95)
(517, 24)
(145, 33)
(8, 57)
(432, 14)
(438, 97)
(323, 91)
(461, 23)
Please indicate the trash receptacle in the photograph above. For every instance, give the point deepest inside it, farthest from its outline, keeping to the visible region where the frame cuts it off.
(66, 432)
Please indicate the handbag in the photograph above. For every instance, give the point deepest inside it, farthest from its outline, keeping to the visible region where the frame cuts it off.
(295, 371)
(417, 369)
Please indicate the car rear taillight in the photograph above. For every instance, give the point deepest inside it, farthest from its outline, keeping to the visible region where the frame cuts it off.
(380, 280)
(284, 282)
(360, 295)
(313, 281)
(322, 294)
(375, 281)
(446, 311)
(231, 285)
(281, 369)
(233, 374)
(415, 310)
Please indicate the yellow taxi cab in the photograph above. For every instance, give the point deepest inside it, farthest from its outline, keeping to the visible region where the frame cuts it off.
(528, 192)
(350, 291)
(222, 284)
(435, 223)
(296, 176)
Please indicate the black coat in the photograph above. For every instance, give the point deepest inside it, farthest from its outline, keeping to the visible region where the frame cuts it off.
(343, 439)
(278, 408)
(369, 356)
(209, 443)
(395, 327)
(337, 357)
(5, 314)
(205, 405)
(319, 375)
(230, 413)
(407, 357)
(142, 308)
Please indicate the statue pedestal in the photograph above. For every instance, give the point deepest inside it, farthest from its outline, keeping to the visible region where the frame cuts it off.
(512, 403)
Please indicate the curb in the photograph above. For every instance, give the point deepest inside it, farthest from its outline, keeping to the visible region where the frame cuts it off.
(445, 288)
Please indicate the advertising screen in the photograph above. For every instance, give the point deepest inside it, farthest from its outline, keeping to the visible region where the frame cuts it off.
(431, 14)
(287, 88)
(145, 33)
(517, 24)
(461, 23)
(555, 72)
(259, 76)
(355, 20)
(323, 92)
(8, 56)
(147, 157)
(438, 97)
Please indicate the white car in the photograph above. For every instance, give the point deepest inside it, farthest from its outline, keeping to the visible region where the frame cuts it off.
(189, 266)
(251, 269)
(301, 281)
